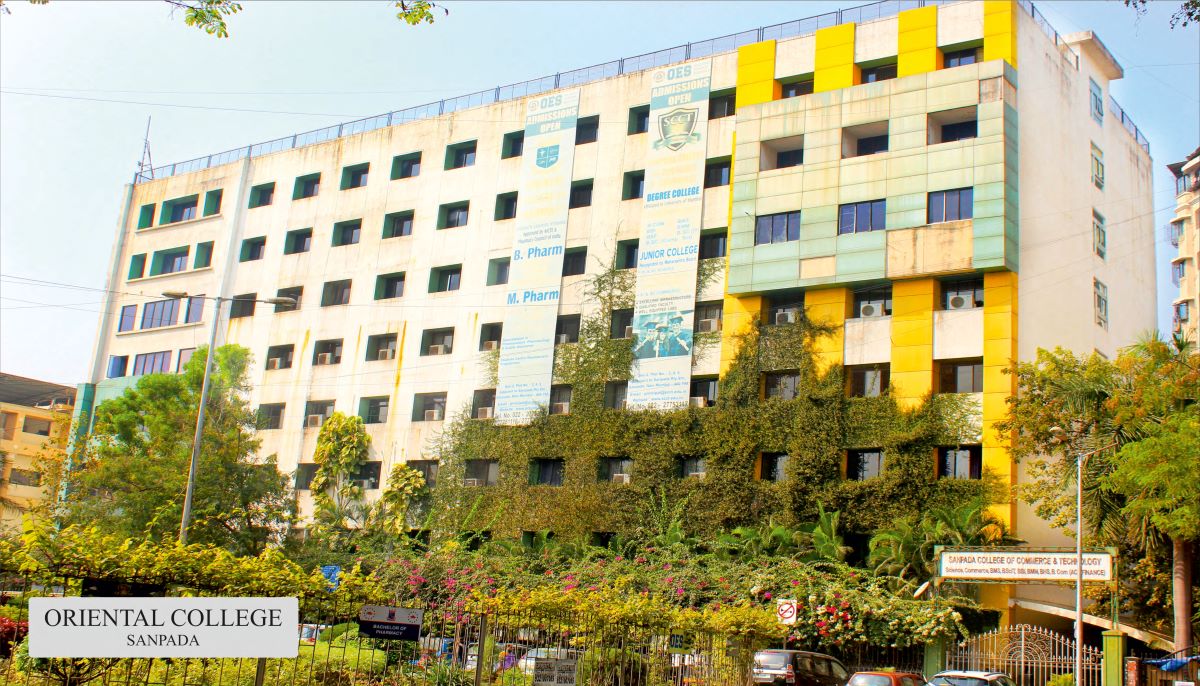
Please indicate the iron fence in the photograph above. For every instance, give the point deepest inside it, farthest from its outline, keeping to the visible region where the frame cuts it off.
(1031, 655)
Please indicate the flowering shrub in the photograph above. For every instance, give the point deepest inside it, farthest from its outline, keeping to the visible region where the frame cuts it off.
(11, 632)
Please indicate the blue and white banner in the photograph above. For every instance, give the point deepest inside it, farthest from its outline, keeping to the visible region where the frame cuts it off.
(535, 274)
(670, 238)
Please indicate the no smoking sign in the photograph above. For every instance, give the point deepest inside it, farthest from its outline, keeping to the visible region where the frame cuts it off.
(785, 610)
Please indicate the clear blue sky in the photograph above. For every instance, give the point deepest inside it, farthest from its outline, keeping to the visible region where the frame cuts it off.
(64, 160)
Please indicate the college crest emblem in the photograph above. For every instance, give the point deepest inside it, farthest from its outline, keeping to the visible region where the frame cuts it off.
(547, 156)
(677, 128)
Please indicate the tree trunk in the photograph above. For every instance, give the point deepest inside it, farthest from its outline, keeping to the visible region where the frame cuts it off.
(1181, 591)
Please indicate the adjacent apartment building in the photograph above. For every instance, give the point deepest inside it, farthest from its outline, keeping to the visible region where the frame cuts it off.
(1185, 235)
(33, 423)
(949, 187)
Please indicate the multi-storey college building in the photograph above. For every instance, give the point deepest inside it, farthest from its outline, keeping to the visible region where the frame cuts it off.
(33, 426)
(950, 187)
(1185, 235)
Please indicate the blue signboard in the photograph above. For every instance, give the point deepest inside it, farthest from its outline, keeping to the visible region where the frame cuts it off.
(331, 572)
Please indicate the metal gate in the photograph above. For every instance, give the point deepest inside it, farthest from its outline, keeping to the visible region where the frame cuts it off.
(1028, 654)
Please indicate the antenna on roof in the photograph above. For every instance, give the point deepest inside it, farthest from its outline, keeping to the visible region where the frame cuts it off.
(146, 166)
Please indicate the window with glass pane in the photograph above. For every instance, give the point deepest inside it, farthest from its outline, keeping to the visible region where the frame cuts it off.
(506, 206)
(1099, 235)
(347, 232)
(960, 376)
(185, 356)
(716, 174)
(721, 106)
(622, 324)
(429, 407)
(389, 286)
(962, 294)
(355, 176)
(960, 131)
(406, 166)
(613, 468)
(335, 293)
(962, 462)
(627, 254)
(796, 88)
(785, 307)
(398, 224)
(547, 472)
(960, 58)
(460, 155)
(1101, 300)
(305, 473)
(454, 215)
(952, 205)
(868, 381)
(243, 305)
(873, 302)
(615, 393)
(262, 195)
(160, 313)
(777, 228)
(587, 130)
(581, 194)
(253, 249)
(864, 464)
(773, 466)
(861, 217)
(633, 185)
(1097, 100)
(117, 365)
(270, 416)
(481, 472)
(306, 186)
(152, 363)
(297, 241)
(280, 356)
(513, 145)
(374, 410)
(367, 475)
(490, 335)
(446, 279)
(691, 467)
(639, 119)
(128, 315)
(574, 262)
(566, 329)
(327, 352)
(437, 342)
(782, 385)
(381, 347)
(880, 73)
(1097, 167)
(712, 244)
(704, 387)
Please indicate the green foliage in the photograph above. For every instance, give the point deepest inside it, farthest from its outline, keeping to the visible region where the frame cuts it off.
(138, 455)
(343, 446)
(1188, 12)
(208, 15)
(414, 12)
(906, 550)
(1158, 475)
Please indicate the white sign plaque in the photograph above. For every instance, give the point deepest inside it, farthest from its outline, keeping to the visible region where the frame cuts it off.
(1016, 565)
(553, 671)
(163, 627)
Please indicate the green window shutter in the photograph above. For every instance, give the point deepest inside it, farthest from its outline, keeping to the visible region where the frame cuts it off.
(203, 255)
(137, 264)
(146, 216)
(212, 202)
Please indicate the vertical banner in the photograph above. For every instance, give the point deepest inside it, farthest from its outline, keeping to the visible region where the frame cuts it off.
(535, 274)
(670, 239)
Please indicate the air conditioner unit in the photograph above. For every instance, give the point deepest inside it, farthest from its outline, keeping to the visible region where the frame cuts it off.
(870, 309)
(386, 354)
(313, 421)
(698, 401)
(560, 408)
(433, 415)
(696, 475)
(490, 345)
(472, 482)
(324, 358)
(785, 317)
(438, 350)
(629, 332)
(484, 412)
(273, 363)
(959, 302)
(620, 478)
(708, 326)
(562, 338)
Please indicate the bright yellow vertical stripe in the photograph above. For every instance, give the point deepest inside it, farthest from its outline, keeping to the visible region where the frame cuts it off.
(1000, 30)
(828, 306)
(912, 340)
(834, 66)
(917, 42)
(999, 350)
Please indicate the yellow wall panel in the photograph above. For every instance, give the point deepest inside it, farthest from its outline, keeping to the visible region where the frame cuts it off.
(917, 42)
(912, 339)
(834, 65)
(828, 306)
(1000, 30)
(999, 349)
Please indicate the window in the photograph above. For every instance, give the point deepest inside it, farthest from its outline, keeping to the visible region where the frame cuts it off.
(347, 232)
(506, 206)
(262, 195)
(777, 228)
(373, 410)
(627, 254)
(962, 294)
(203, 255)
(1178, 270)
(280, 356)
(295, 293)
(305, 473)
(316, 412)
(128, 315)
(864, 464)
(948, 126)
(152, 363)
(212, 202)
(513, 145)
(489, 336)
(873, 302)
(1101, 303)
(712, 244)
(460, 155)
(270, 416)
(560, 399)
(796, 88)
(355, 176)
(633, 186)
(721, 105)
(1099, 235)
(615, 394)
(622, 324)
(195, 309)
(881, 73)
(335, 293)
(782, 385)
(785, 308)
(864, 139)
(691, 467)
(428, 469)
(1096, 96)
(253, 249)
(437, 342)
(381, 347)
(243, 305)
(566, 329)
(861, 217)
(871, 145)
(397, 224)
(587, 130)
(169, 261)
(962, 462)
(297, 241)
(429, 407)
(444, 279)
(708, 317)
(716, 173)
(367, 475)
(25, 477)
(185, 356)
(117, 365)
(615, 469)
(483, 403)
(307, 186)
(948, 206)
(389, 286)
(789, 158)
(160, 313)
(639, 119)
(959, 131)
(36, 426)
(960, 376)
(581, 194)
(574, 262)
(960, 58)
(498, 271)
(1097, 167)
(146, 216)
(772, 466)
(1181, 312)
(137, 266)
(481, 472)
(453, 215)
(327, 352)
(406, 166)
(546, 472)
(868, 381)
(706, 388)
(179, 210)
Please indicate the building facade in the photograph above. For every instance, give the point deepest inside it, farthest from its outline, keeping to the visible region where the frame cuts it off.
(1185, 235)
(33, 426)
(948, 189)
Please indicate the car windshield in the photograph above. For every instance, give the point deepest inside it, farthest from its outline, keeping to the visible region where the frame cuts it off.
(870, 680)
(771, 660)
(948, 680)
